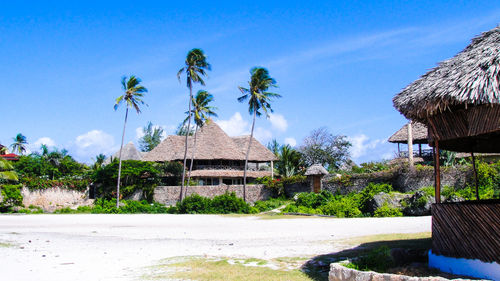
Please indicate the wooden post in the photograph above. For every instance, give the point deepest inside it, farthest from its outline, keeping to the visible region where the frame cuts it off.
(399, 150)
(410, 146)
(475, 174)
(272, 170)
(420, 149)
(437, 173)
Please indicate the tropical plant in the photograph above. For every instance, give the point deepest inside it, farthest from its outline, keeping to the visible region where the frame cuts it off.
(133, 93)
(152, 137)
(7, 173)
(19, 144)
(99, 160)
(258, 99)
(195, 68)
(289, 161)
(201, 111)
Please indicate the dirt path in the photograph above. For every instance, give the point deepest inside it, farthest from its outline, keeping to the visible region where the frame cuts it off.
(121, 247)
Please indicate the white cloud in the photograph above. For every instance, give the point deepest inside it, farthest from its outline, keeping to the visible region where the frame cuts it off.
(38, 143)
(235, 126)
(90, 144)
(262, 135)
(291, 141)
(278, 122)
(361, 144)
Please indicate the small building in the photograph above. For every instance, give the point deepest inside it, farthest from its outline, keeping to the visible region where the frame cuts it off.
(218, 159)
(314, 175)
(459, 101)
(419, 136)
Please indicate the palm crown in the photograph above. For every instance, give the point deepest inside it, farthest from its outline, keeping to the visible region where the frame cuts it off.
(19, 144)
(196, 66)
(257, 95)
(133, 93)
(202, 111)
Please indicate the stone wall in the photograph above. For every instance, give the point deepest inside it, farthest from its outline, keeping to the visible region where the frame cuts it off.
(339, 272)
(169, 195)
(402, 181)
(55, 198)
(292, 189)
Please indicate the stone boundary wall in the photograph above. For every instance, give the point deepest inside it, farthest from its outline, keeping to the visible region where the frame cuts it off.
(401, 181)
(339, 272)
(55, 198)
(169, 195)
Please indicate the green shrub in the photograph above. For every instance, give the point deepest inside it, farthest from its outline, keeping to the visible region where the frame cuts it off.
(34, 183)
(371, 167)
(267, 205)
(194, 204)
(378, 260)
(342, 208)
(369, 191)
(11, 197)
(228, 203)
(387, 211)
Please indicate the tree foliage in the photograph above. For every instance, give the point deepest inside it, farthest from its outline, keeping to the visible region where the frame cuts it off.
(152, 137)
(322, 147)
(19, 144)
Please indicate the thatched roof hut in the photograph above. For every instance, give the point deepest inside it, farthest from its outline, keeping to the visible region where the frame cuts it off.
(129, 152)
(419, 132)
(316, 169)
(212, 144)
(459, 100)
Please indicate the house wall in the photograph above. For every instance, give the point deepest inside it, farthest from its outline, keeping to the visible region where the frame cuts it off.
(169, 195)
(55, 198)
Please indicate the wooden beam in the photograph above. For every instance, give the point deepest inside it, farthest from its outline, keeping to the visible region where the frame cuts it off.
(475, 174)
(410, 146)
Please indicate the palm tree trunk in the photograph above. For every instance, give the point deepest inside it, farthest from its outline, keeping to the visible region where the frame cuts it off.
(246, 160)
(192, 157)
(120, 162)
(186, 141)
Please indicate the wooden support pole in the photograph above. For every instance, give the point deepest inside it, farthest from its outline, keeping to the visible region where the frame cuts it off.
(475, 174)
(410, 146)
(420, 149)
(437, 173)
(272, 170)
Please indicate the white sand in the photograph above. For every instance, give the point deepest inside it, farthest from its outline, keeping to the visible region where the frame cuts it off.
(121, 247)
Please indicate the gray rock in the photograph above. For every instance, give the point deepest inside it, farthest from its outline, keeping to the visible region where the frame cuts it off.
(419, 204)
(392, 199)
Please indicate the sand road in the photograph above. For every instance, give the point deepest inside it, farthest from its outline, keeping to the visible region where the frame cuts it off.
(122, 247)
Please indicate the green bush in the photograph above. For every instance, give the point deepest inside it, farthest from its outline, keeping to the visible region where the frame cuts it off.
(11, 197)
(194, 204)
(342, 208)
(366, 195)
(267, 205)
(42, 183)
(378, 260)
(371, 167)
(387, 211)
(228, 203)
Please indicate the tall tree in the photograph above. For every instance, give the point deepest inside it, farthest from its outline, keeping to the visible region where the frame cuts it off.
(195, 68)
(19, 144)
(133, 93)
(152, 137)
(322, 147)
(258, 99)
(99, 160)
(202, 112)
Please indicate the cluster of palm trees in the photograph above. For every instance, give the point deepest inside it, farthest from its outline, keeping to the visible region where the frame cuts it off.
(195, 69)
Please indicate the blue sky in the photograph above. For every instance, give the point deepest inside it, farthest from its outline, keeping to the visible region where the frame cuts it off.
(338, 64)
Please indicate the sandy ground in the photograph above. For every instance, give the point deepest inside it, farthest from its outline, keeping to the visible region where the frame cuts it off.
(122, 247)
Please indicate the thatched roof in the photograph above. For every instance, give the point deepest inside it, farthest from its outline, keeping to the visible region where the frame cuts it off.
(129, 152)
(470, 78)
(316, 169)
(419, 132)
(229, 173)
(212, 144)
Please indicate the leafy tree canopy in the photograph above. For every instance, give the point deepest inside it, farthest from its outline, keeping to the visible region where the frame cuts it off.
(322, 147)
(152, 137)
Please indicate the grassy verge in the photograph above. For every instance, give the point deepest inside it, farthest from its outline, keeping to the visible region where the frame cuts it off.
(198, 268)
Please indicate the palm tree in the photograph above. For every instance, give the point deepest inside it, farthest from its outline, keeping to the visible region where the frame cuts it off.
(99, 160)
(201, 112)
(258, 99)
(132, 97)
(19, 144)
(195, 68)
(7, 172)
(45, 149)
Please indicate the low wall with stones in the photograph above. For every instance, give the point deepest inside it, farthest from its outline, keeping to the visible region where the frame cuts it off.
(169, 195)
(339, 272)
(55, 198)
(402, 181)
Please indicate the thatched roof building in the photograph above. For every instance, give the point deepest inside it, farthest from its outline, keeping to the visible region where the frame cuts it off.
(316, 169)
(459, 100)
(129, 152)
(212, 144)
(419, 132)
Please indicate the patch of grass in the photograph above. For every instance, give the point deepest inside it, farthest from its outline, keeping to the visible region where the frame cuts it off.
(6, 245)
(198, 268)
